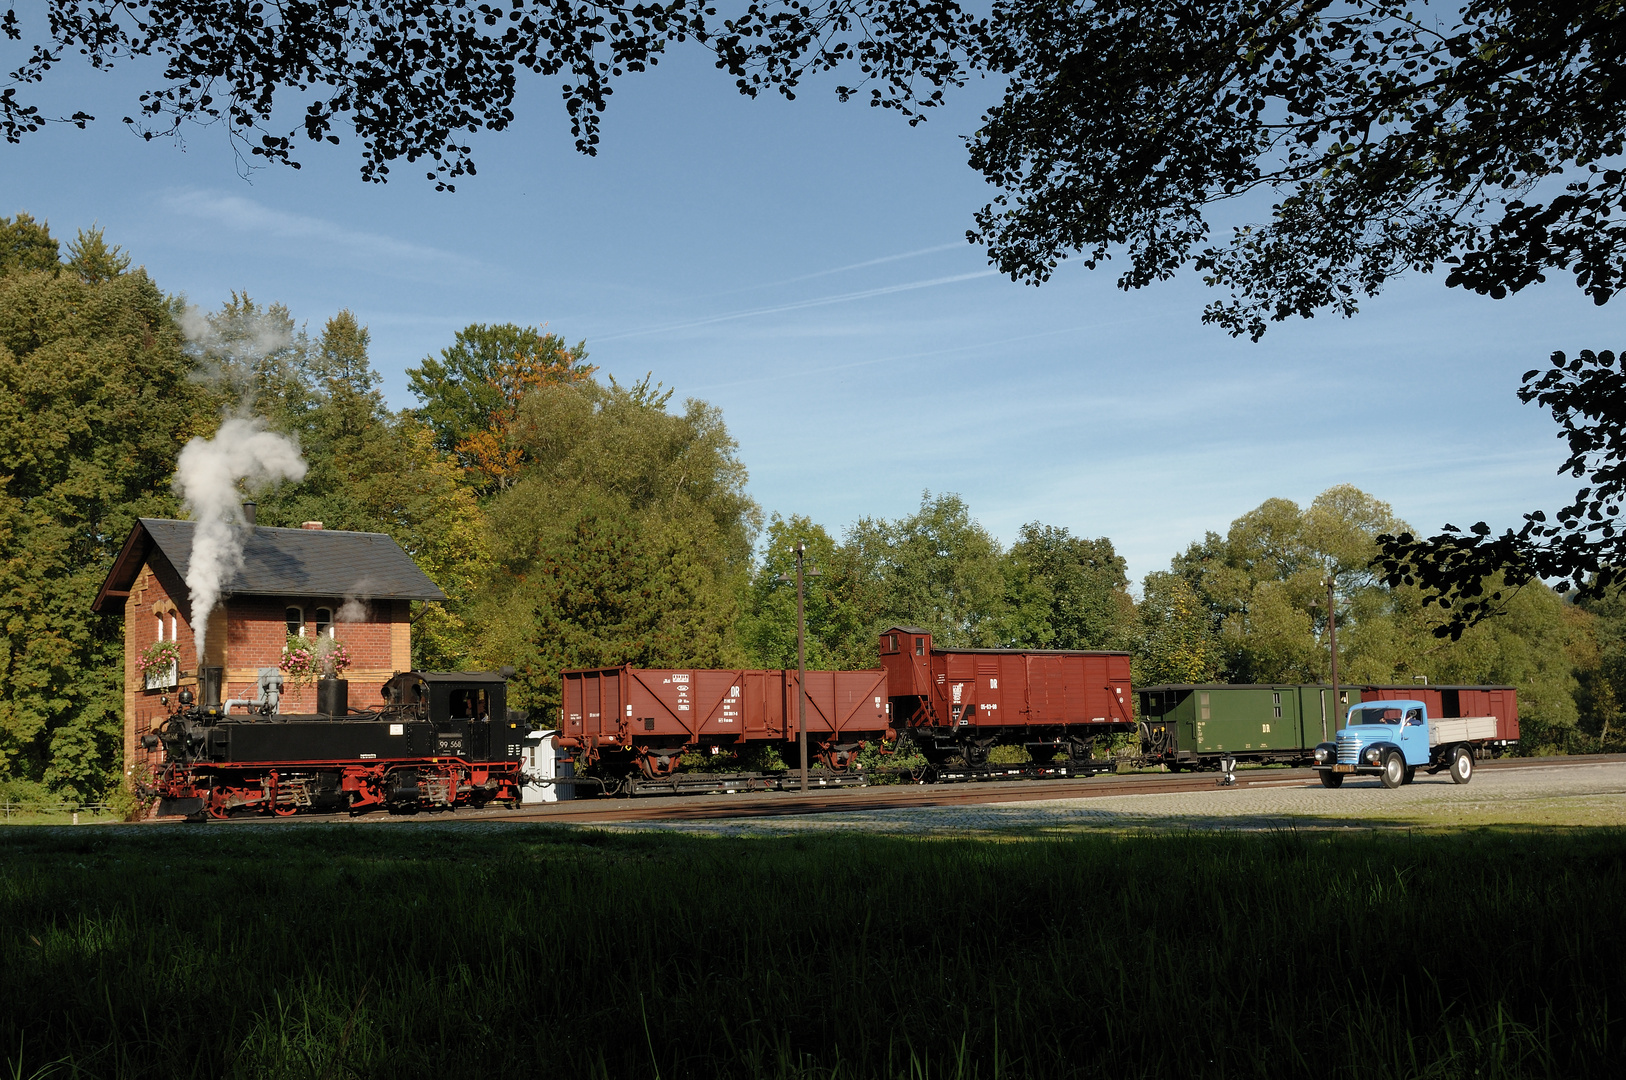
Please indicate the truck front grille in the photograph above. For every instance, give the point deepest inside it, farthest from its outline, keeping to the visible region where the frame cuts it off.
(1349, 750)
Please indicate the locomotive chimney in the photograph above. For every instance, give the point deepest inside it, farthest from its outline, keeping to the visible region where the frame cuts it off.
(210, 679)
(249, 510)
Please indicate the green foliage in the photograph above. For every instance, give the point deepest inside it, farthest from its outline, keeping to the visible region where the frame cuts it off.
(1177, 642)
(462, 391)
(839, 636)
(94, 405)
(1066, 592)
(938, 569)
(626, 539)
(26, 245)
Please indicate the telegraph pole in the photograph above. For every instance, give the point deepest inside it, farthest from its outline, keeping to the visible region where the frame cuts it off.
(1332, 638)
(801, 663)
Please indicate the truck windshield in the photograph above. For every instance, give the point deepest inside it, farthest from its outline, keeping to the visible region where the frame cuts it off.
(1380, 713)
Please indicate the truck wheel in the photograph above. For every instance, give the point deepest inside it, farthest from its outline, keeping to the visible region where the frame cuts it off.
(1462, 765)
(1411, 773)
(1394, 770)
(1331, 779)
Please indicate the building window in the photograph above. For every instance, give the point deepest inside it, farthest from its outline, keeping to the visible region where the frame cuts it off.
(296, 620)
(324, 622)
(172, 636)
(160, 619)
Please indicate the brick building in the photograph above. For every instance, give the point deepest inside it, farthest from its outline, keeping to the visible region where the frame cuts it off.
(352, 586)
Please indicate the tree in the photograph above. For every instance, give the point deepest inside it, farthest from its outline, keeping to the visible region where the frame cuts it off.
(837, 635)
(1470, 573)
(1264, 585)
(1176, 642)
(937, 569)
(1066, 592)
(412, 78)
(95, 403)
(1393, 136)
(471, 395)
(626, 538)
(26, 245)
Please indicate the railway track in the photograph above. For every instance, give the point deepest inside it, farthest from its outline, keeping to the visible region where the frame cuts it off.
(758, 804)
(920, 796)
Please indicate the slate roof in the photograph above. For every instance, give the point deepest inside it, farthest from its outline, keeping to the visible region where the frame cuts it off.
(279, 562)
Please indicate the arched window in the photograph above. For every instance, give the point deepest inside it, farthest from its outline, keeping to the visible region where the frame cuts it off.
(160, 619)
(172, 636)
(296, 620)
(324, 621)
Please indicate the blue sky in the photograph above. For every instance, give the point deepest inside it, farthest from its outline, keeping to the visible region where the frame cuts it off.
(802, 266)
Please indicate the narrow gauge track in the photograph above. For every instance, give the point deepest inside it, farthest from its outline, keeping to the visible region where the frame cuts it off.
(919, 796)
(716, 806)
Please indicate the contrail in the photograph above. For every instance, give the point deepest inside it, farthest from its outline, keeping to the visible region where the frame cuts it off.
(799, 305)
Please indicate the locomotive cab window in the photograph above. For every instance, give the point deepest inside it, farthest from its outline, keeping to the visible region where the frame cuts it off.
(470, 705)
(295, 618)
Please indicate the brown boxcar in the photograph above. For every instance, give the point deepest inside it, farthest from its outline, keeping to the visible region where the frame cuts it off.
(962, 702)
(648, 717)
(1501, 702)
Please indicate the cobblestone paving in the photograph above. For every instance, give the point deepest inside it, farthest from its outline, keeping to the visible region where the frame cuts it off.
(1557, 795)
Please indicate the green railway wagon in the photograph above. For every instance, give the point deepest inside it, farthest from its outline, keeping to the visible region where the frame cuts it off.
(1191, 726)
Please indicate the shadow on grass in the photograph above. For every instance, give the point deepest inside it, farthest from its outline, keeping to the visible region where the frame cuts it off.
(330, 951)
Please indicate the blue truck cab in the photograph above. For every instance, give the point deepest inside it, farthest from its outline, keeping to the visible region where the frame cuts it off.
(1393, 739)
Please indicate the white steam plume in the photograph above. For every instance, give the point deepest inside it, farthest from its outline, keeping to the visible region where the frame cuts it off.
(354, 608)
(206, 478)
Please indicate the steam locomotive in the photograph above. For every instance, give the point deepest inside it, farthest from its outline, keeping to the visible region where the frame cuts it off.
(438, 740)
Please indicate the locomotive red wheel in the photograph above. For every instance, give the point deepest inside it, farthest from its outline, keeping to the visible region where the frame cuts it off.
(217, 807)
(285, 811)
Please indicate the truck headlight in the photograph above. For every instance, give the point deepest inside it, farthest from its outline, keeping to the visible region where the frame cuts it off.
(1372, 755)
(1320, 754)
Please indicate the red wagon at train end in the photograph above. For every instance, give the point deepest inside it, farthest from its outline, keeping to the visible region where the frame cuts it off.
(960, 703)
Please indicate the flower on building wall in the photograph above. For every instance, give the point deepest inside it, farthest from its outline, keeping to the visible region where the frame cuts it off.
(159, 656)
(305, 660)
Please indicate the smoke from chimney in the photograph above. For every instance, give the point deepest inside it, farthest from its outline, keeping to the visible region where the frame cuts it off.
(206, 478)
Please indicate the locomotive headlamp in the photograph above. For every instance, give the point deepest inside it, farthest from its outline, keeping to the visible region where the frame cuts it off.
(149, 741)
(185, 697)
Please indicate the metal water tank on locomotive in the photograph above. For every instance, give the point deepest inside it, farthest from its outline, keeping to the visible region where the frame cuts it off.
(439, 740)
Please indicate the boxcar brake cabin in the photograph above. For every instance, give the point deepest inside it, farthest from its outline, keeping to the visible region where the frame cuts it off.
(290, 581)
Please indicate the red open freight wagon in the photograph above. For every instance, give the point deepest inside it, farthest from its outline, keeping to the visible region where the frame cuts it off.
(962, 702)
(1448, 702)
(647, 717)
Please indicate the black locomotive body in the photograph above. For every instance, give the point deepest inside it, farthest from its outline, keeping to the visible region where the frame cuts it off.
(438, 740)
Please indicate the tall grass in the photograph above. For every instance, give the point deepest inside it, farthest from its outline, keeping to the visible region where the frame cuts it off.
(407, 951)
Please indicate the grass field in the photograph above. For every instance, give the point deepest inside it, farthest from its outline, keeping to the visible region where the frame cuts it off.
(326, 951)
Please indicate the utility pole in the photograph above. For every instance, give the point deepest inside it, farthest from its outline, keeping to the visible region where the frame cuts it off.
(801, 663)
(1332, 638)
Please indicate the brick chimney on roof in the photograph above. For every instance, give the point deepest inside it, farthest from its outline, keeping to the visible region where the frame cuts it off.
(310, 524)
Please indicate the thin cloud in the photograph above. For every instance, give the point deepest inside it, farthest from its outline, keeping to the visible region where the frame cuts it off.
(245, 216)
(826, 369)
(799, 305)
(866, 264)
